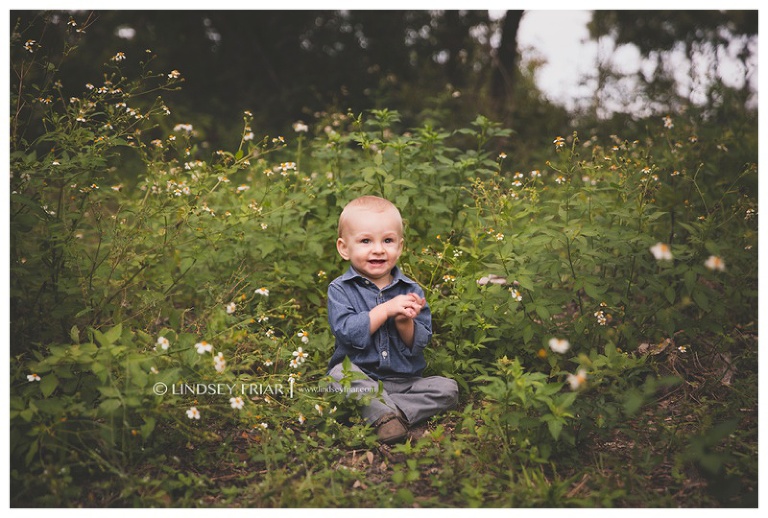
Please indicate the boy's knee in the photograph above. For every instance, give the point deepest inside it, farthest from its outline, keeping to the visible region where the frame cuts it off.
(451, 391)
(446, 391)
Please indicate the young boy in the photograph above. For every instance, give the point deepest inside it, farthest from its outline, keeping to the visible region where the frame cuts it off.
(382, 322)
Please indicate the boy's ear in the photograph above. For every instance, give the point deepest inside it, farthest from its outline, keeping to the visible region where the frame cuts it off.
(341, 246)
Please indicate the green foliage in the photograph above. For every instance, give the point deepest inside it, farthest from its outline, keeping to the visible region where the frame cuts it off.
(168, 307)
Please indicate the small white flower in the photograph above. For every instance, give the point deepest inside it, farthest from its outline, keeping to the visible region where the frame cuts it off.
(236, 402)
(231, 308)
(183, 127)
(300, 355)
(662, 252)
(163, 343)
(219, 363)
(300, 127)
(304, 336)
(601, 318)
(193, 413)
(559, 345)
(578, 379)
(715, 263)
(203, 347)
(264, 292)
(33, 377)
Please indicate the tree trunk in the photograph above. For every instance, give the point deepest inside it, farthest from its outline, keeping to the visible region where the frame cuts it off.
(505, 66)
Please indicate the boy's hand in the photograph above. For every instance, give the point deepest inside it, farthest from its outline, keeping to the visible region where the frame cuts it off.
(406, 306)
(404, 309)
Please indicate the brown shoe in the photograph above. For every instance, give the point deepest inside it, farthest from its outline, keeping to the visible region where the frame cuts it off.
(391, 428)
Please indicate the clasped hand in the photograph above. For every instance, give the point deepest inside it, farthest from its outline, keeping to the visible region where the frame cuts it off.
(405, 306)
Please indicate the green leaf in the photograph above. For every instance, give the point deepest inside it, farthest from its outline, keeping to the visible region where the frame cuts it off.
(109, 392)
(108, 406)
(404, 496)
(31, 453)
(406, 183)
(701, 299)
(593, 291)
(48, 384)
(138, 376)
(113, 334)
(689, 278)
(669, 293)
(74, 334)
(543, 312)
(148, 427)
(555, 426)
(527, 334)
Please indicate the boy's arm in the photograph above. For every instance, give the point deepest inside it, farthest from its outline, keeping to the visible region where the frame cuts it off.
(347, 325)
(406, 328)
(421, 328)
(404, 309)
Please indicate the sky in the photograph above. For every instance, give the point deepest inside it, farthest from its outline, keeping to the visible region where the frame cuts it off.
(562, 39)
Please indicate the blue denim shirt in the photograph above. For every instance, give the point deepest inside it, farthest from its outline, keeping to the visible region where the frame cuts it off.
(382, 354)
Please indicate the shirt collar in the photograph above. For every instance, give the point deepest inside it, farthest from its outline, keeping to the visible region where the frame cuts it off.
(397, 276)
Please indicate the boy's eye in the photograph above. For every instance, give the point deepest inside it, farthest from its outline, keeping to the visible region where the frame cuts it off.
(365, 240)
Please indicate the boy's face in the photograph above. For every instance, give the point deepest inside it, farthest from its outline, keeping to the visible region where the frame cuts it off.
(372, 241)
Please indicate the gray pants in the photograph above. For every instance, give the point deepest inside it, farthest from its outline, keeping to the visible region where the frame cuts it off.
(417, 398)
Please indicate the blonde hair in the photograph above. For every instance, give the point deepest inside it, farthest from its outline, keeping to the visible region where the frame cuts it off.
(370, 203)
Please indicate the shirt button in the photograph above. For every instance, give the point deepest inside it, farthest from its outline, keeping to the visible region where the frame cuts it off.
(384, 354)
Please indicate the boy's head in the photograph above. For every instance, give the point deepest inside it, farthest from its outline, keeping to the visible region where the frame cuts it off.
(371, 237)
(370, 204)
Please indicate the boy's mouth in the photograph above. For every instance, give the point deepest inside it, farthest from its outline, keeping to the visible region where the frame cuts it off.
(377, 261)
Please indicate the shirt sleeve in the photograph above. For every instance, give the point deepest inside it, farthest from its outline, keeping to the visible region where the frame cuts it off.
(349, 326)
